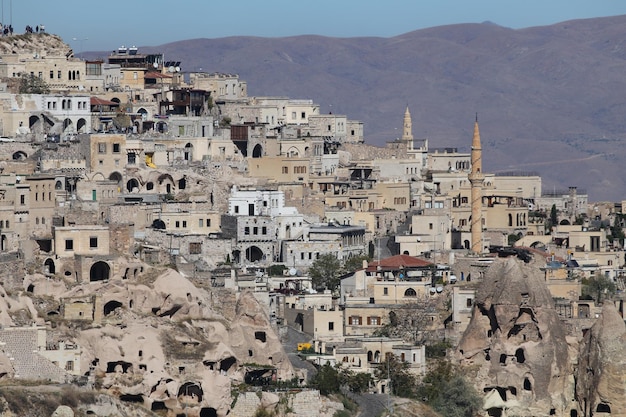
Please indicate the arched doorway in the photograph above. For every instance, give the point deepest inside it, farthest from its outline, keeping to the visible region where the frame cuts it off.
(188, 152)
(81, 125)
(115, 176)
(111, 306)
(19, 156)
(132, 185)
(257, 151)
(68, 125)
(254, 254)
(158, 224)
(99, 271)
(48, 266)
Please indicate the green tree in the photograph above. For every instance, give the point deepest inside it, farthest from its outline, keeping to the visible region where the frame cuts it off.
(325, 272)
(617, 233)
(355, 263)
(327, 380)
(403, 382)
(599, 287)
(457, 398)
(554, 218)
(357, 382)
(31, 84)
(448, 392)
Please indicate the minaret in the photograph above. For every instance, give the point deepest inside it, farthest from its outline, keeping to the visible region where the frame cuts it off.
(476, 179)
(407, 130)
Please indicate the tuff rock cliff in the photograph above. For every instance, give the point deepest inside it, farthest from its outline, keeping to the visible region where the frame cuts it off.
(516, 344)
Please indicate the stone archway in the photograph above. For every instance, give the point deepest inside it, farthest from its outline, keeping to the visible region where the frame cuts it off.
(100, 271)
(19, 156)
(111, 306)
(132, 185)
(257, 151)
(49, 267)
(254, 254)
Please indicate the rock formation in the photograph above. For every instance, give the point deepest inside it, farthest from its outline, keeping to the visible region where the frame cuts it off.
(601, 376)
(517, 344)
(156, 340)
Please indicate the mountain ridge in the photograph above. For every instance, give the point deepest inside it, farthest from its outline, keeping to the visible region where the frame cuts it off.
(543, 94)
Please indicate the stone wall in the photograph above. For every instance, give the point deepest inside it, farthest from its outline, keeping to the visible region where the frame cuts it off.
(121, 240)
(305, 403)
(364, 152)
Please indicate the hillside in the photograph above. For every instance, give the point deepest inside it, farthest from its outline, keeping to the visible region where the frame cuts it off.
(549, 99)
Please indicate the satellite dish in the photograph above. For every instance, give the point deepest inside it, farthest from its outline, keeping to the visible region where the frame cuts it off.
(433, 290)
(171, 69)
(439, 289)
(177, 69)
(155, 65)
(293, 272)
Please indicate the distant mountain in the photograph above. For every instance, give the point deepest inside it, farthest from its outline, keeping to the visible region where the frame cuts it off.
(549, 99)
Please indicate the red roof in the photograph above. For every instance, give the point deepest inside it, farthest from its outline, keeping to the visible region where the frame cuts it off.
(399, 261)
(96, 101)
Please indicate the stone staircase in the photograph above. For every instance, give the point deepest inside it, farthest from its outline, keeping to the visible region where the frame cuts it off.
(20, 345)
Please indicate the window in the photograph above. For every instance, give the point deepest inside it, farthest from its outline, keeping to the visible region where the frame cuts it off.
(410, 292)
(116, 148)
(246, 230)
(303, 115)
(69, 244)
(132, 158)
(200, 222)
(184, 223)
(331, 325)
(195, 248)
(93, 242)
(354, 320)
(51, 74)
(468, 302)
(255, 231)
(208, 222)
(264, 230)
(385, 291)
(177, 223)
(285, 170)
(22, 199)
(373, 321)
(69, 366)
(236, 209)
(102, 147)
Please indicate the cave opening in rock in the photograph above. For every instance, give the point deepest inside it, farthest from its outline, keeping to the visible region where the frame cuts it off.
(261, 336)
(208, 412)
(527, 384)
(603, 408)
(519, 355)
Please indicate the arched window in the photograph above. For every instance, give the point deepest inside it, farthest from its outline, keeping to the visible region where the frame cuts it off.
(410, 292)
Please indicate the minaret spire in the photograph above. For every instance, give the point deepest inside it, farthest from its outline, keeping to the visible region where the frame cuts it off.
(407, 131)
(476, 179)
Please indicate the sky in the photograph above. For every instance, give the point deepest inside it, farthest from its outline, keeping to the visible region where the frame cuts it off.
(90, 25)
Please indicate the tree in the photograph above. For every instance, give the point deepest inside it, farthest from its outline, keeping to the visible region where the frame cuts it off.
(355, 262)
(596, 286)
(554, 219)
(31, 84)
(325, 272)
(457, 398)
(403, 382)
(327, 380)
(448, 392)
(411, 321)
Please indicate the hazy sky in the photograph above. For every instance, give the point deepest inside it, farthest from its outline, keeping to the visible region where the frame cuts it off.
(94, 25)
